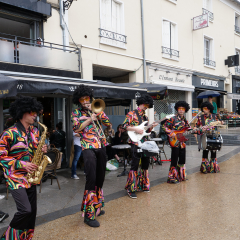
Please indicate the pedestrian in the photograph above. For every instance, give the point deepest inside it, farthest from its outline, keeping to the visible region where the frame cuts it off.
(94, 152)
(18, 145)
(177, 170)
(138, 181)
(77, 154)
(214, 111)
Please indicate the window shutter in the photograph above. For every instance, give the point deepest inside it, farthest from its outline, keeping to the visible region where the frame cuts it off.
(166, 34)
(173, 37)
(205, 48)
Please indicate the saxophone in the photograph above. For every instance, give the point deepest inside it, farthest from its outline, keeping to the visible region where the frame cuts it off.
(39, 159)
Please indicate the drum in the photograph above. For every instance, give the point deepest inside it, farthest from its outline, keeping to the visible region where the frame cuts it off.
(212, 141)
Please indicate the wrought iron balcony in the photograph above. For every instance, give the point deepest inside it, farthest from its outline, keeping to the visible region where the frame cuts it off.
(210, 14)
(237, 70)
(209, 62)
(170, 51)
(112, 35)
(237, 29)
(15, 49)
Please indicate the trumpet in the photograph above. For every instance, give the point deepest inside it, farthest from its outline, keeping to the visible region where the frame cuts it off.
(97, 106)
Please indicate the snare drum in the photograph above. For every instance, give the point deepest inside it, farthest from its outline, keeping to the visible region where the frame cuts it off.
(212, 142)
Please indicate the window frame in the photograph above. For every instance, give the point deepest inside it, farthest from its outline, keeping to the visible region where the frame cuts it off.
(211, 51)
(122, 23)
(238, 26)
(166, 55)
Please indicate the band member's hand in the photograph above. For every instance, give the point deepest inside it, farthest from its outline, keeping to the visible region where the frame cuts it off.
(173, 135)
(94, 117)
(222, 122)
(204, 128)
(44, 148)
(30, 167)
(139, 131)
(154, 124)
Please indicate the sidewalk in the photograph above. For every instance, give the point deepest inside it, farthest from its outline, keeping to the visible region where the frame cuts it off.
(204, 207)
(54, 203)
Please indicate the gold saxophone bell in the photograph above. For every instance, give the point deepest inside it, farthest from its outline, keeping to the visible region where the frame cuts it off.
(97, 106)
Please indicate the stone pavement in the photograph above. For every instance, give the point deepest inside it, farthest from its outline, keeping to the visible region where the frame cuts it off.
(54, 203)
(204, 207)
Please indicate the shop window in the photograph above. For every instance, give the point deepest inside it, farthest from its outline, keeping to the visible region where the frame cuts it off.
(208, 53)
(207, 9)
(170, 40)
(112, 23)
(237, 23)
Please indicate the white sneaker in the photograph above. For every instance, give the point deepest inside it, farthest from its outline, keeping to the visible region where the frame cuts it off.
(75, 177)
(2, 197)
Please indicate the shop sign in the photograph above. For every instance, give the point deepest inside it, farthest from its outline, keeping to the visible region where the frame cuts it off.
(210, 83)
(176, 79)
(200, 22)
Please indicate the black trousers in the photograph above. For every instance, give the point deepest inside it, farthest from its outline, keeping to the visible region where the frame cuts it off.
(136, 158)
(205, 154)
(178, 156)
(26, 201)
(95, 166)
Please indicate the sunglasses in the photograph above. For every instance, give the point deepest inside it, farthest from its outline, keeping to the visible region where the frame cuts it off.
(181, 108)
(84, 99)
(33, 113)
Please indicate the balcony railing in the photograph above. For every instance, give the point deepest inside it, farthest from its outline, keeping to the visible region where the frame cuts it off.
(209, 62)
(112, 35)
(15, 49)
(170, 51)
(237, 70)
(237, 29)
(210, 14)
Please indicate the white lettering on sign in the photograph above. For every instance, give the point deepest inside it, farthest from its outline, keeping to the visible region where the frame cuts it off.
(210, 83)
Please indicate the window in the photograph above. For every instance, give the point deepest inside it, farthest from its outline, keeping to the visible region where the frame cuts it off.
(169, 40)
(237, 68)
(208, 52)
(112, 23)
(207, 9)
(237, 23)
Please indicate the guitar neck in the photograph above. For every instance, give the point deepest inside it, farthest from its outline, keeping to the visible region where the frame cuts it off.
(191, 131)
(149, 126)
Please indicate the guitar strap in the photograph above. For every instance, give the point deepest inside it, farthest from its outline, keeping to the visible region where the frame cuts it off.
(139, 117)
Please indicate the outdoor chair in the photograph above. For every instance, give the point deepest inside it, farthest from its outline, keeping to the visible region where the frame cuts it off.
(56, 156)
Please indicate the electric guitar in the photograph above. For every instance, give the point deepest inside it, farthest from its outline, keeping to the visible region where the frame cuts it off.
(180, 134)
(135, 137)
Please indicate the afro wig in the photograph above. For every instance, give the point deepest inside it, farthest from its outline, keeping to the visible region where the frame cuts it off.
(81, 91)
(208, 105)
(145, 99)
(24, 105)
(182, 104)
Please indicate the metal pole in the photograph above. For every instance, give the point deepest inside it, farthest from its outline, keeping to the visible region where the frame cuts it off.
(1, 116)
(143, 44)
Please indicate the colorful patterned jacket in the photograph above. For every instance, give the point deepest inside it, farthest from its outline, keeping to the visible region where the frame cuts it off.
(132, 120)
(207, 119)
(89, 135)
(16, 148)
(176, 123)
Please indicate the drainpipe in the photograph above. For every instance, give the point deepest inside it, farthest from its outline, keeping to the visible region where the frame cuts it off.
(62, 24)
(143, 44)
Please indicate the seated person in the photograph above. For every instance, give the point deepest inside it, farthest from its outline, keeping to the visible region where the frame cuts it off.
(58, 137)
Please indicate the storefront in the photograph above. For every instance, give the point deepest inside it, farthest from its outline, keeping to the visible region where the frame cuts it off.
(203, 82)
(179, 85)
(236, 89)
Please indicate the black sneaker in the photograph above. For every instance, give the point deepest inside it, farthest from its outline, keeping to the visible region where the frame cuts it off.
(132, 195)
(101, 213)
(91, 223)
(3, 216)
(146, 190)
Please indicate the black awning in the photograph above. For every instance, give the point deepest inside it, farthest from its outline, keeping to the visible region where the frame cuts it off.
(157, 91)
(14, 86)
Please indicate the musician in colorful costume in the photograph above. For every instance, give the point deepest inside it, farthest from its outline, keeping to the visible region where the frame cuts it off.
(177, 171)
(94, 153)
(138, 181)
(203, 120)
(17, 147)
